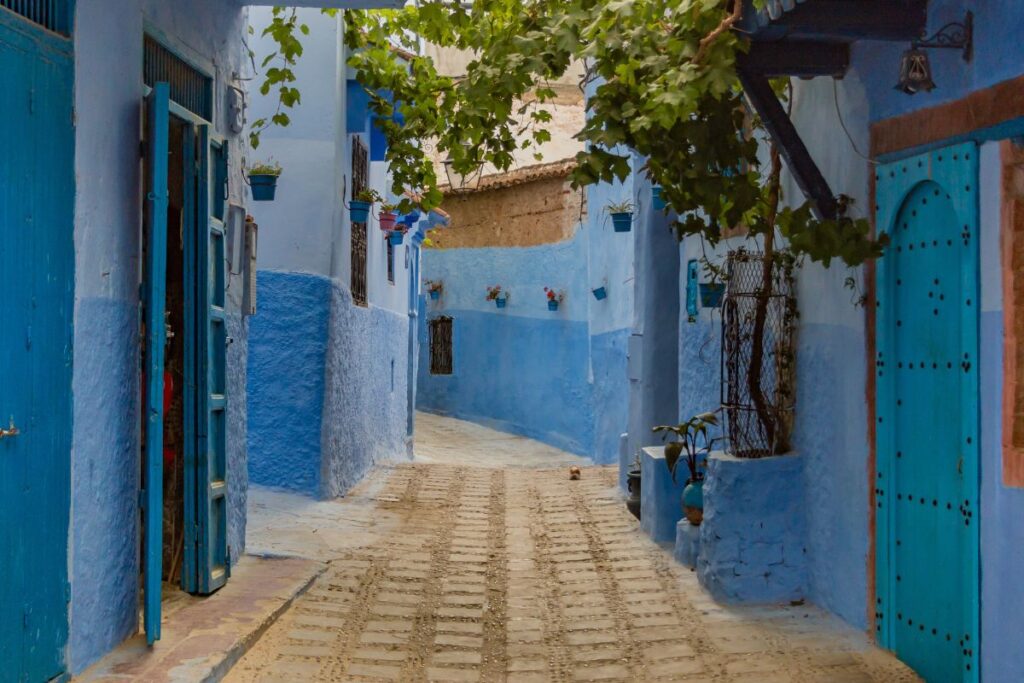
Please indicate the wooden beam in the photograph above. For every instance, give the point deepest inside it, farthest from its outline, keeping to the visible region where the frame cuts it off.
(806, 173)
(896, 20)
(796, 58)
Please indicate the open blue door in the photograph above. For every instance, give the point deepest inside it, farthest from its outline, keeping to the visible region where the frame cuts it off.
(209, 554)
(155, 279)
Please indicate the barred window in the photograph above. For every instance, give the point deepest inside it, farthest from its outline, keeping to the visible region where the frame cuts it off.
(360, 180)
(441, 346)
(391, 260)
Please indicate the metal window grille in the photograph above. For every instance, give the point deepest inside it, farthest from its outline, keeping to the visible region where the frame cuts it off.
(360, 180)
(54, 15)
(189, 88)
(441, 346)
(759, 425)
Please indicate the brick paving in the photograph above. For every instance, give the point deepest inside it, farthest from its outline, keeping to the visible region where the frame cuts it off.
(524, 576)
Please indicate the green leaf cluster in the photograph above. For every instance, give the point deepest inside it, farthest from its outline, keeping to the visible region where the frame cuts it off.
(661, 83)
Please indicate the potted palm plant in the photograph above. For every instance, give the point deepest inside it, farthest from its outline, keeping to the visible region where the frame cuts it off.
(695, 443)
(263, 180)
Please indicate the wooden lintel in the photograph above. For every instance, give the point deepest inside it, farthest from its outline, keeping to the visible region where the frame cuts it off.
(792, 148)
(802, 58)
(896, 20)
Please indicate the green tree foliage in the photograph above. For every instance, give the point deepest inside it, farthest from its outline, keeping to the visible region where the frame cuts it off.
(661, 80)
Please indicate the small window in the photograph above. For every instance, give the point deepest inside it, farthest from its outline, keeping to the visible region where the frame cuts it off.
(391, 260)
(51, 14)
(441, 346)
(190, 88)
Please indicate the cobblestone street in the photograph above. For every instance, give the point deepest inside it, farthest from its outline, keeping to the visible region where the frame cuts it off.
(521, 575)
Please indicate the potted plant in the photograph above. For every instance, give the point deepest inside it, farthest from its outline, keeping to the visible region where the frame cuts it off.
(496, 295)
(396, 237)
(388, 217)
(554, 298)
(633, 486)
(434, 289)
(600, 293)
(263, 180)
(711, 292)
(359, 207)
(622, 215)
(657, 201)
(694, 442)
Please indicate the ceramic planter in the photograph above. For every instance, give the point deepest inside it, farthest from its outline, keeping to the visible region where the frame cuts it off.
(693, 501)
(435, 294)
(657, 202)
(387, 221)
(263, 186)
(622, 221)
(396, 237)
(552, 305)
(711, 294)
(359, 211)
(633, 486)
(600, 293)
(501, 301)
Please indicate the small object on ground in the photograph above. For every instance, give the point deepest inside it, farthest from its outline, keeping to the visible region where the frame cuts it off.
(575, 473)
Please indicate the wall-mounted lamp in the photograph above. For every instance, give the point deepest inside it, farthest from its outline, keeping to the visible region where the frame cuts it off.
(462, 181)
(915, 67)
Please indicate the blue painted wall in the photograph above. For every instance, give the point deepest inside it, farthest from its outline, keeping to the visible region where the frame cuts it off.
(104, 537)
(287, 350)
(328, 387)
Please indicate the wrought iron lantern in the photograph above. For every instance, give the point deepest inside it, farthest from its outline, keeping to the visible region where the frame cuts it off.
(459, 181)
(916, 68)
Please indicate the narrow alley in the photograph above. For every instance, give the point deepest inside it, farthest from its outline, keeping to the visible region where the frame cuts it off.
(505, 571)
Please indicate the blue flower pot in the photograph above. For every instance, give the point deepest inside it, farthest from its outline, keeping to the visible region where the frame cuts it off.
(435, 295)
(500, 302)
(622, 222)
(263, 187)
(396, 238)
(711, 294)
(359, 211)
(552, 305)
(657, 202)
(600, 293)
(693, 501)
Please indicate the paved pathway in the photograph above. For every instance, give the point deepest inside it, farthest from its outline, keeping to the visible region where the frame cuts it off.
(521, 575)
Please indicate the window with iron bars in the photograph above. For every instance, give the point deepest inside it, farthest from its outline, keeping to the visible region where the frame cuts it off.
(360, 181)
(441, 346)
(391, 260)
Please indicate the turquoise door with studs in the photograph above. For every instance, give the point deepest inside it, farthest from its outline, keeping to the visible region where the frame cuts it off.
(926, 483)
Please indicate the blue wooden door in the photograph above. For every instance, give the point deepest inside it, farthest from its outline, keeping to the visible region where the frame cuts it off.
(36, 306)
(155, 331)
(208, 555)
(927, 439)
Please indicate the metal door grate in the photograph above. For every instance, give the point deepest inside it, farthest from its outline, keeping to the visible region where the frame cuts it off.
(441, 346)
(360, 180)
(189, 88)
(54, 15)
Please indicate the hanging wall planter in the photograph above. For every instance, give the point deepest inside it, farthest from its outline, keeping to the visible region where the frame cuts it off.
(600, 293)
(387, 220)
(497, 295)
(554, 298)
(359, 211)
(552, 305)
(435, 295)
(657, 201)
(711, 294)
(434, 289)
(622, 215)
(396, 237)
(501, 301)
(263, 181)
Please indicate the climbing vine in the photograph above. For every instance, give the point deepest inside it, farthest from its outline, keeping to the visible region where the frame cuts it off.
(661, 82)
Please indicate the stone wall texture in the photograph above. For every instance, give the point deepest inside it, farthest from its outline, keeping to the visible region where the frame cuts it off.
(752, 538)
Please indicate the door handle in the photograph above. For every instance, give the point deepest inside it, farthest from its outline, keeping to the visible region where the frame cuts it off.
(11, 431)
